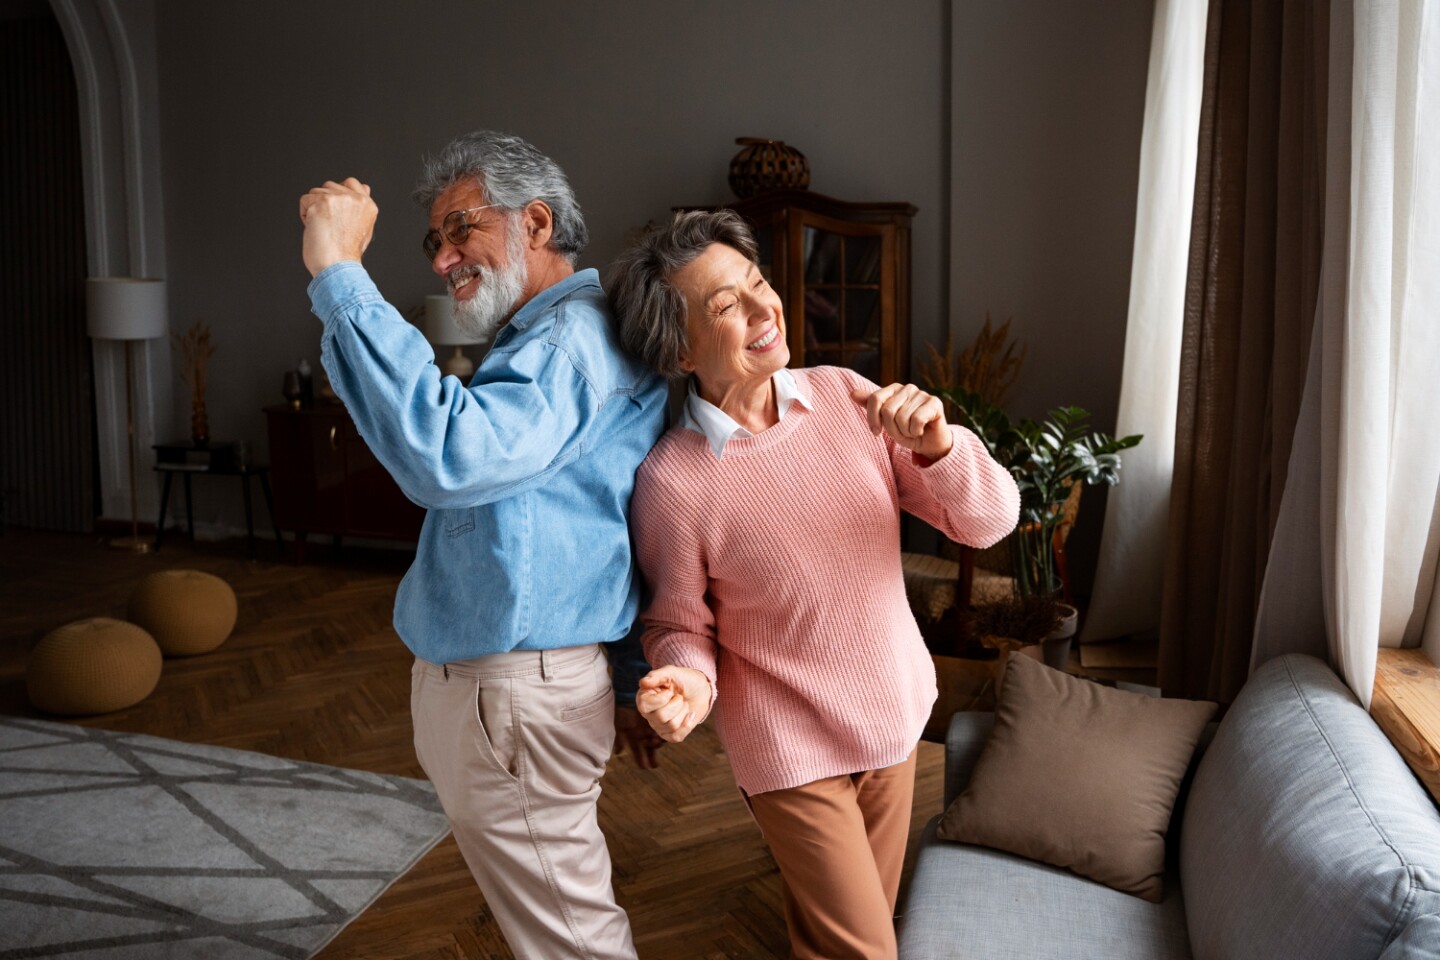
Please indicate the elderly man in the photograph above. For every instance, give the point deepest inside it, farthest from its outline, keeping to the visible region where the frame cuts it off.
(524, 571)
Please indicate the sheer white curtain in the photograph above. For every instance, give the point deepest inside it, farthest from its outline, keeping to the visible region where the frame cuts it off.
(1353, 566)
(1129, 579)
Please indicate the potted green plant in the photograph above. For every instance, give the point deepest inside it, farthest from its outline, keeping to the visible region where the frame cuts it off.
(1046, 459)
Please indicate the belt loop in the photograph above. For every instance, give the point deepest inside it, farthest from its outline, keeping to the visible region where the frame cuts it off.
(445, 668)
(545, 671)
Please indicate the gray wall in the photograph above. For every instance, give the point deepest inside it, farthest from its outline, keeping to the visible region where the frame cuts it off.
(1030, 139)
(1047, 105)
(640, 102)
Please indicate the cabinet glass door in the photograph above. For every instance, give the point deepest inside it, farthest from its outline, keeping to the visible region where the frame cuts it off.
(843, 306)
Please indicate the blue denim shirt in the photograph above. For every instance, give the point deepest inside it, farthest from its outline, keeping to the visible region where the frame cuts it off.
(526, 473)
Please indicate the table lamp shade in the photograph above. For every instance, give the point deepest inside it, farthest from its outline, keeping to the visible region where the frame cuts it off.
(126, 308)
(440, 328)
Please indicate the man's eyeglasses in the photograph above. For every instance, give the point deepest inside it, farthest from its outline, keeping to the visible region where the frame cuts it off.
(454, 228)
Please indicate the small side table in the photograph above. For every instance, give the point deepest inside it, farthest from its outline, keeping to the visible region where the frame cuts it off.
(217, 460)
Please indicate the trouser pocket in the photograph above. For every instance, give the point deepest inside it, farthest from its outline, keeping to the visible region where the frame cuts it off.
(496, 715)
(466, 733)
(569, 720)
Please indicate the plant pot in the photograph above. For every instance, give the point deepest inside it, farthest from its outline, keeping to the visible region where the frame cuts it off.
(1053, 652)
(1069, 622)
(1055, 649)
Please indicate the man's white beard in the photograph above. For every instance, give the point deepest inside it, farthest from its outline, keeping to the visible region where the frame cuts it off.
(497, 290)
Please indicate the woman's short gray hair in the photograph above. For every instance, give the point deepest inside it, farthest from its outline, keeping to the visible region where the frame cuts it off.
(648, 304)
(511, 173)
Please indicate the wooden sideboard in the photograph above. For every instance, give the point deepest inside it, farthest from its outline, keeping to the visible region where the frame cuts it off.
(326, 480)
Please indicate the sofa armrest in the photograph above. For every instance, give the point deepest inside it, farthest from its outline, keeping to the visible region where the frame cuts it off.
(1419, 941)
(967, 735)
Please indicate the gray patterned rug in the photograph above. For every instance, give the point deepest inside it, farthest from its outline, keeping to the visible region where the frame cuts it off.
(125, 847)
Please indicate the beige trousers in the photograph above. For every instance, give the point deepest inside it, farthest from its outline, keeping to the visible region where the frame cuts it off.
(515, 744)
(840, 846)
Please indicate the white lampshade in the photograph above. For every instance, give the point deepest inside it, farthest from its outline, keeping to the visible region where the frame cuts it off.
(126, 308)
(440, 328)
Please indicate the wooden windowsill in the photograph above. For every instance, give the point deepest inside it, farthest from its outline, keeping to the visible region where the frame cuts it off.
(1406, 705)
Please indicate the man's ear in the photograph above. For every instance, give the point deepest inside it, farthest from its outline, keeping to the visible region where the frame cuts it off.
(539, 224)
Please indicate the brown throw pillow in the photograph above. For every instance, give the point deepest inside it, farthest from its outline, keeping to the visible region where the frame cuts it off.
(1080, 776)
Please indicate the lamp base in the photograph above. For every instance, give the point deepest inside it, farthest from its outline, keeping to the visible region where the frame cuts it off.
(129, 544)
(459, 365)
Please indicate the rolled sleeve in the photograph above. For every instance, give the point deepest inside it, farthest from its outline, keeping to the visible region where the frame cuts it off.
(338, 286)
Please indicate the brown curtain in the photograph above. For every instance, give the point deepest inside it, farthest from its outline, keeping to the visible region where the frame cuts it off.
(47, 404)
(1249, 306)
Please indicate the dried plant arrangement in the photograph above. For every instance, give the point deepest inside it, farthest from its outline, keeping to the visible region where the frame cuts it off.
(1024, 618)
(938, 373)
(988, 367)
(991, 364)
(195, 351)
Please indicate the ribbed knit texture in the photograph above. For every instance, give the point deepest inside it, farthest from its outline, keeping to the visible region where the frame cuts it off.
(776, 573)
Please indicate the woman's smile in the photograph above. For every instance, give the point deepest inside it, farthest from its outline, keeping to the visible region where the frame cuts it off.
(765, 342)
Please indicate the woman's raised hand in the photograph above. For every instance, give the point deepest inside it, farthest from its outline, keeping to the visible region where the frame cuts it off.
(913, 418)
(674, 701)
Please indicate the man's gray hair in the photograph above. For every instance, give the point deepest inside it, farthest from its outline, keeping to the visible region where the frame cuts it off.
(511, 173)
(648, 304)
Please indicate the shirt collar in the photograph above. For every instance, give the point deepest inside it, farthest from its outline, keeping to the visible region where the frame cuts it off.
(551, 295)
(719, 428)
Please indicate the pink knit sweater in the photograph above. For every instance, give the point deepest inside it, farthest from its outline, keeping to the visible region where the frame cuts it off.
(776, 573)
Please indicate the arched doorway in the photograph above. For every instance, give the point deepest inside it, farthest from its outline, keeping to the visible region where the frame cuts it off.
(112, 50)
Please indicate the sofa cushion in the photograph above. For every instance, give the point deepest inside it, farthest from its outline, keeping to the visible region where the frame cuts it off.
(1305, 834)
(967, 901)
(1080, 776)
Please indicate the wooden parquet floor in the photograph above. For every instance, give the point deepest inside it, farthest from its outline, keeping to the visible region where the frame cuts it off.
(314, 671)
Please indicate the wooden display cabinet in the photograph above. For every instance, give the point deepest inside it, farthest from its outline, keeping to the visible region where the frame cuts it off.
(326, 480)
(843, 272)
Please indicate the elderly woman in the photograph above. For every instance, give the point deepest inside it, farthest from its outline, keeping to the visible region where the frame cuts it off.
(767, 526)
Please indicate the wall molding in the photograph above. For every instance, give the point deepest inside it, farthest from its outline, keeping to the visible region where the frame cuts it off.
(115, 77)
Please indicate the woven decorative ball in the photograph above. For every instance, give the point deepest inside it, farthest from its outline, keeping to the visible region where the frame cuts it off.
(92, 666)
(767, 165)
(186, 611)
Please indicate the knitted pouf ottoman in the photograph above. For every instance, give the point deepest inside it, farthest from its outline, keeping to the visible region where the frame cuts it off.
(186, 611)
(92, 666)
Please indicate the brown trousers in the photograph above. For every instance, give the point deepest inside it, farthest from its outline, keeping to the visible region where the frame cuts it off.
(840, 844)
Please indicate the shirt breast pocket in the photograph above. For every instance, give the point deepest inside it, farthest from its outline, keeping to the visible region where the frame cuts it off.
(459, 522)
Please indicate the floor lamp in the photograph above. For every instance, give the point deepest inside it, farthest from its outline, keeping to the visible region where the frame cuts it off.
(128, 309)
(440, 329)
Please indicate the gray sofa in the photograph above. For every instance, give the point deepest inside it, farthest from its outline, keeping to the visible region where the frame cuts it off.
(1301, 833)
